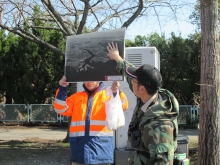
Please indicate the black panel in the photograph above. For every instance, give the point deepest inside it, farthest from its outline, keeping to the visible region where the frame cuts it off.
(86, 56)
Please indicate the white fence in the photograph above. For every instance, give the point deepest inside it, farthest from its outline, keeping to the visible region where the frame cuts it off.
(44, 113)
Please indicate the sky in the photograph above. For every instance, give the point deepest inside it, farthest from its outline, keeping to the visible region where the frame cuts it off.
(166, 22)
(181, 27)
(179, 24)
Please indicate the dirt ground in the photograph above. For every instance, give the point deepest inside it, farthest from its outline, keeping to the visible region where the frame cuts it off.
(39, 151)
(33, 151)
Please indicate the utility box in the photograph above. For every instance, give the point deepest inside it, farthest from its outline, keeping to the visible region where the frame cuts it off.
(182, 145)
(143, 55)
(123, 157)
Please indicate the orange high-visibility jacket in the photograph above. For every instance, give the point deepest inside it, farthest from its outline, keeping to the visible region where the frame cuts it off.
(90, 141)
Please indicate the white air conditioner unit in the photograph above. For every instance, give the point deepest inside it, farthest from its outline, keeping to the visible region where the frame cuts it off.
(142, 55)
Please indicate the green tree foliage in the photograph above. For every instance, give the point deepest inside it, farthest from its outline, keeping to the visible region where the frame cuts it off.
(8, 66)
(179, 63)
(195, 16)
(29, 72)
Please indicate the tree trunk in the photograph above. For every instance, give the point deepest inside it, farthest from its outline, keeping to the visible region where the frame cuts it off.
(209, 129)
(1, 14)
(73, 89)
(8, 99)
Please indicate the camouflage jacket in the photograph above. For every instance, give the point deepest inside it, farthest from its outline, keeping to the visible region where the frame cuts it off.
(158, 125)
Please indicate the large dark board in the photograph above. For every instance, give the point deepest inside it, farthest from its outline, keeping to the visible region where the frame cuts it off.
(86, 56)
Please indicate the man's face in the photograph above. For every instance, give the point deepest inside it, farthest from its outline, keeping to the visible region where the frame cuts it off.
(91, 86)
(135, 87)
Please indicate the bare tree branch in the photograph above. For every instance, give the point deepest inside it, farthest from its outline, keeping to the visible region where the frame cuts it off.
(70, 10)
(1, 13)
(116, 14)
(99, 25)
(158, 18)
(58, 24)
(96, 3)
(33, 38)
(47, 28)
(51, 8)
(103, 22)
(85, 14)
(19, 7)
(70, 17)
(77, 13)
(135, 15)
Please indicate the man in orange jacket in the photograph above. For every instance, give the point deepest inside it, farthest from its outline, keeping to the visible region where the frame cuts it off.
(90, 141)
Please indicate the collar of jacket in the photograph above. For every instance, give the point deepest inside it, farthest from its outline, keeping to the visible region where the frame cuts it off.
(100, 87)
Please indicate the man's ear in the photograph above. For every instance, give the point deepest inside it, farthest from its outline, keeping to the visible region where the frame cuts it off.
(143, 89)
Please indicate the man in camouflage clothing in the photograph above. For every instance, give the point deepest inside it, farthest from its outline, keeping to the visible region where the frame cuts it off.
(153, 128)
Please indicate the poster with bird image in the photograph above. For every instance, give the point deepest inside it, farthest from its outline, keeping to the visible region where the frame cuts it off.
(86, 56)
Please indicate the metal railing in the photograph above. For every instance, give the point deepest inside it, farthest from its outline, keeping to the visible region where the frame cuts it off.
(188, 114)
(42, 113)
(14, 112)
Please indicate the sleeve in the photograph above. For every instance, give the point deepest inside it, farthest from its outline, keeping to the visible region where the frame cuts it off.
(121, 68)
(63, 104)
(158, 138)
(61, 93)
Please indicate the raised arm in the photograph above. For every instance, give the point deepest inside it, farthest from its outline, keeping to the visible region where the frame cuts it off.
(113, 54)
(62, 105)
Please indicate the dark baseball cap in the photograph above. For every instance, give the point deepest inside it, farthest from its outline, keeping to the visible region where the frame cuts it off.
(147, 75)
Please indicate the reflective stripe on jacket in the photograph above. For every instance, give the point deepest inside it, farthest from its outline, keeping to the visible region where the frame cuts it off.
(90, 141)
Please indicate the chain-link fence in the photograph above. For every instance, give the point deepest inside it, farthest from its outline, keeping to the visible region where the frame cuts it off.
(188, 114)
(28, 113)
(42, 113)
(13, 112)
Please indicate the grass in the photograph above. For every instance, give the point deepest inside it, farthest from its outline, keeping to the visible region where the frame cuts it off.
(193, 152)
